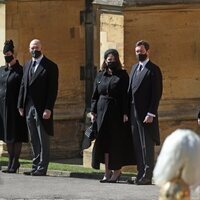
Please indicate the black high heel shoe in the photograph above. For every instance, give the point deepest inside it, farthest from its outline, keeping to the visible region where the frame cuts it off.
(105, 179)
(15, 167)
(115, 180)
(8, 168)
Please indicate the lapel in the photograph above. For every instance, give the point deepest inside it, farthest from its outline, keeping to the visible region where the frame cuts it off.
(133, 70)
(38, 70)
(141, 75)
(26, 71)
(134, 67)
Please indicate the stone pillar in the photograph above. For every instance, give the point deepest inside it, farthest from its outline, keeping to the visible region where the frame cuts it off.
(2, 40)
(2, 30)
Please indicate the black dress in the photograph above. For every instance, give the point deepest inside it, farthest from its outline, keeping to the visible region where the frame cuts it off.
(12, 126)
(110, 103)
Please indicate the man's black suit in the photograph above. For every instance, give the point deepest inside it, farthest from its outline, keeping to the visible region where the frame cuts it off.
(145, 90)
(38, 93)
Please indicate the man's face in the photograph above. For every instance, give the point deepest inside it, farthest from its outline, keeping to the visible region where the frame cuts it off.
(141, 53)
(140, 50)
(35, 46)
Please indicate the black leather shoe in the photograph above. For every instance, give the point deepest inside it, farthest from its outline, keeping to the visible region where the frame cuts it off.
(132, 180)
(5, 170)
(38, 173)
(29, 173)
(104, 180)
(116, 180)
(144, 181)
(14, 168)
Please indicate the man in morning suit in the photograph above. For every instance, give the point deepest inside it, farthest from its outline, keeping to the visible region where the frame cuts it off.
(145, 91)
(36, 101)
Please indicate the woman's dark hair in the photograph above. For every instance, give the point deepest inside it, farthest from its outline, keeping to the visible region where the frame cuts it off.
(115, 53)
(8, 46)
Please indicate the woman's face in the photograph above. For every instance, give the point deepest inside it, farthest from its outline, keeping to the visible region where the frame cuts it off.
(8, 53)
(110, 58)
(9, 57)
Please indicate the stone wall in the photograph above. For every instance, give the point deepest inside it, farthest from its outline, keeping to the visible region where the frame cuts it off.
(2, 40)
(57, 24)
(175, 46)
(2, 29)
(111, 34)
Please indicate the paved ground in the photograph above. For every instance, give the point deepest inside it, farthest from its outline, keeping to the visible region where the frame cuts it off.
(61, 185)
(18, 186)
(21, 187)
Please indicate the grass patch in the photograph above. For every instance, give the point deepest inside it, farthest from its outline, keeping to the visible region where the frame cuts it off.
(53, 166)
(78, 168)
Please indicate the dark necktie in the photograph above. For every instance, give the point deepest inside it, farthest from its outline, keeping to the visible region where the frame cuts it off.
(33, 68)
(140, 68)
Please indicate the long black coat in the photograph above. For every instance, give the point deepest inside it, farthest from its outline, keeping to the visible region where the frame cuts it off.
(12, 125)
(42, 88)
(147, 94)
(110, 103)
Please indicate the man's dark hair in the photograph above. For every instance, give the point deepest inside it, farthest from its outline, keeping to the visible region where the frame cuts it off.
(142, 42)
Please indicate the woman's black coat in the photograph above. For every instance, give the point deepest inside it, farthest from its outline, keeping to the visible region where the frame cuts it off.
(110, 103)
(12, 126)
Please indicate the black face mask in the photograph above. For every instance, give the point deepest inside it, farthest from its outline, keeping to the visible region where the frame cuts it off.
(36, 54)
(112, 65)
(8, 59)
(142, 57)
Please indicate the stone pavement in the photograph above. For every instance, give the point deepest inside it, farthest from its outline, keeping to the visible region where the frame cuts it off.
(54, 186)
(19, 186)
(62, 185)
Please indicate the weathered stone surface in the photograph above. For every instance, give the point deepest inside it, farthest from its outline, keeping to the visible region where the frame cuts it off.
(143, 2)
(57, 25)
(67, 140)
(174, 38)
(111, 34)
(66, 143)
(2, 30)
(157, 2)
(109, 2)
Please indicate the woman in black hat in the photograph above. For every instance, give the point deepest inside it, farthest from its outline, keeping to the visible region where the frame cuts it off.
(13, 130)
(109, 107)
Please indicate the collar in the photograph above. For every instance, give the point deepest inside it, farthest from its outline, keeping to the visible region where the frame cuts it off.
(144, 62)
(38, 59)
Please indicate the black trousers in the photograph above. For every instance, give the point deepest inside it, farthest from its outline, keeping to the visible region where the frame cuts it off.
(144, 146)
(39, 140)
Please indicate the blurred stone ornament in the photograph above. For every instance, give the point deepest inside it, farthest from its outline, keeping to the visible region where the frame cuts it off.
(177, 167)
(175, 189)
